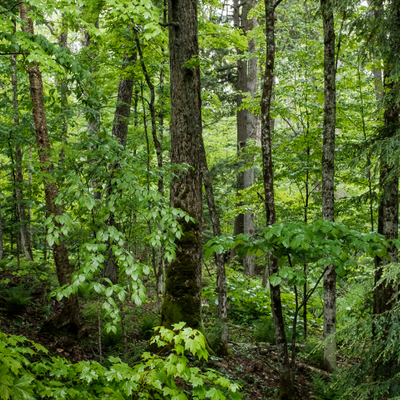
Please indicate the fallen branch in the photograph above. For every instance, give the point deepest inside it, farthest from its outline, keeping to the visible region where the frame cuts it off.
(241, 327)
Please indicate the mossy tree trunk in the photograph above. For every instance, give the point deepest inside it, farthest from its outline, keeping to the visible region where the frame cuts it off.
(182, 300)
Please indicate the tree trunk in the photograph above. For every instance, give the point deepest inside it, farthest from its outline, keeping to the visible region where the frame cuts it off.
(388, 214)
(328, 172)
(241, 123)
(182, 300)
(70, 316)
(19, 178)
(222, 346)
(286, 386)
(252, 129)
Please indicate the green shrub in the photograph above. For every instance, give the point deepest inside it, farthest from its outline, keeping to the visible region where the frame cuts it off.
(147, 324)
(15, 299)
(313, 353)
(111, 339)
(264, 331)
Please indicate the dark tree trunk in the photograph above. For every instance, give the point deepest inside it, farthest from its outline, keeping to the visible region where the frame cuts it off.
(182, 300)
(328, 173)
(388, 215)
(222, 347)
(19, 178)
(71, 316)
(385, 295)
(241, 121)
(120, 132)
(286, 386)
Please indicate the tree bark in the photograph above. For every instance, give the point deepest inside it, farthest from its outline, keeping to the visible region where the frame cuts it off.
(19, 178)
(182, 300)
(252, 129)
(70, 316)
(328, 172)
(222, 347)
(286, 387)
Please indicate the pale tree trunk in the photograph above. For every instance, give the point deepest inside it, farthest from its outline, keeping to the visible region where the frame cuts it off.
(120, 132)
(252, 129)
(287, 390)
(182, 300)
(222, 347)
(19, 178)
(70, 316)
(328, 173)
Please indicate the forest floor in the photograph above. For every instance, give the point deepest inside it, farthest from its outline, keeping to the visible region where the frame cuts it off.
(252, 366)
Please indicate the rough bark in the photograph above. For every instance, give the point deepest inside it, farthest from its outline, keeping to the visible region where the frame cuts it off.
(328, 172)
(70, 316)
(120, 132)
(222, 347)
(19, 178)
(286, 387)
(182, 300)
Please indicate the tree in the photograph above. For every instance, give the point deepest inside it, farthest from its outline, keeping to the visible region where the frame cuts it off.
(71, 315)
(328, 174)
(182, 300)
(286, 385)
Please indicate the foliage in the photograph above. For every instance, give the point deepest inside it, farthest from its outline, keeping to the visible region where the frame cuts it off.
(24, 376)
(15, 299)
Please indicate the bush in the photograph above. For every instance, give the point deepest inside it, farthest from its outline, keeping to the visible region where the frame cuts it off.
(148, 322)
(313, 353)
(15, 299)
(111, 339)
(264, 331)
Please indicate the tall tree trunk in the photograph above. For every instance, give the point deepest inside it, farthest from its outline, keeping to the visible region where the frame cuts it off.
(286, 386)
(70, 316)
(239, 20)
(388, 213)
(222, 347)
(252, 131)
(328, 173)
(182, 300)
(19, 178)
(120, 132)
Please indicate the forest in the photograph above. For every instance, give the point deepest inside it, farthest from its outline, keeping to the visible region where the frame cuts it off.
(199, 199)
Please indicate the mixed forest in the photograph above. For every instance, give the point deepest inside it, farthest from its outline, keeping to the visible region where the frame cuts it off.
(199, 199)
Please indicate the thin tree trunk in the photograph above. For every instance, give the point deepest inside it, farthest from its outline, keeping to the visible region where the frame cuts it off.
(286, 387)
(120, 132)
(182, 300)
(252, 129)
(222, 347)
(70, 315)
(241, 86)
(19, 179)
(328, 172)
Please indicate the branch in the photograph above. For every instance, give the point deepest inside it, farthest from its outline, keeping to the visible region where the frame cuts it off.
(7, 11)
(277, 3)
